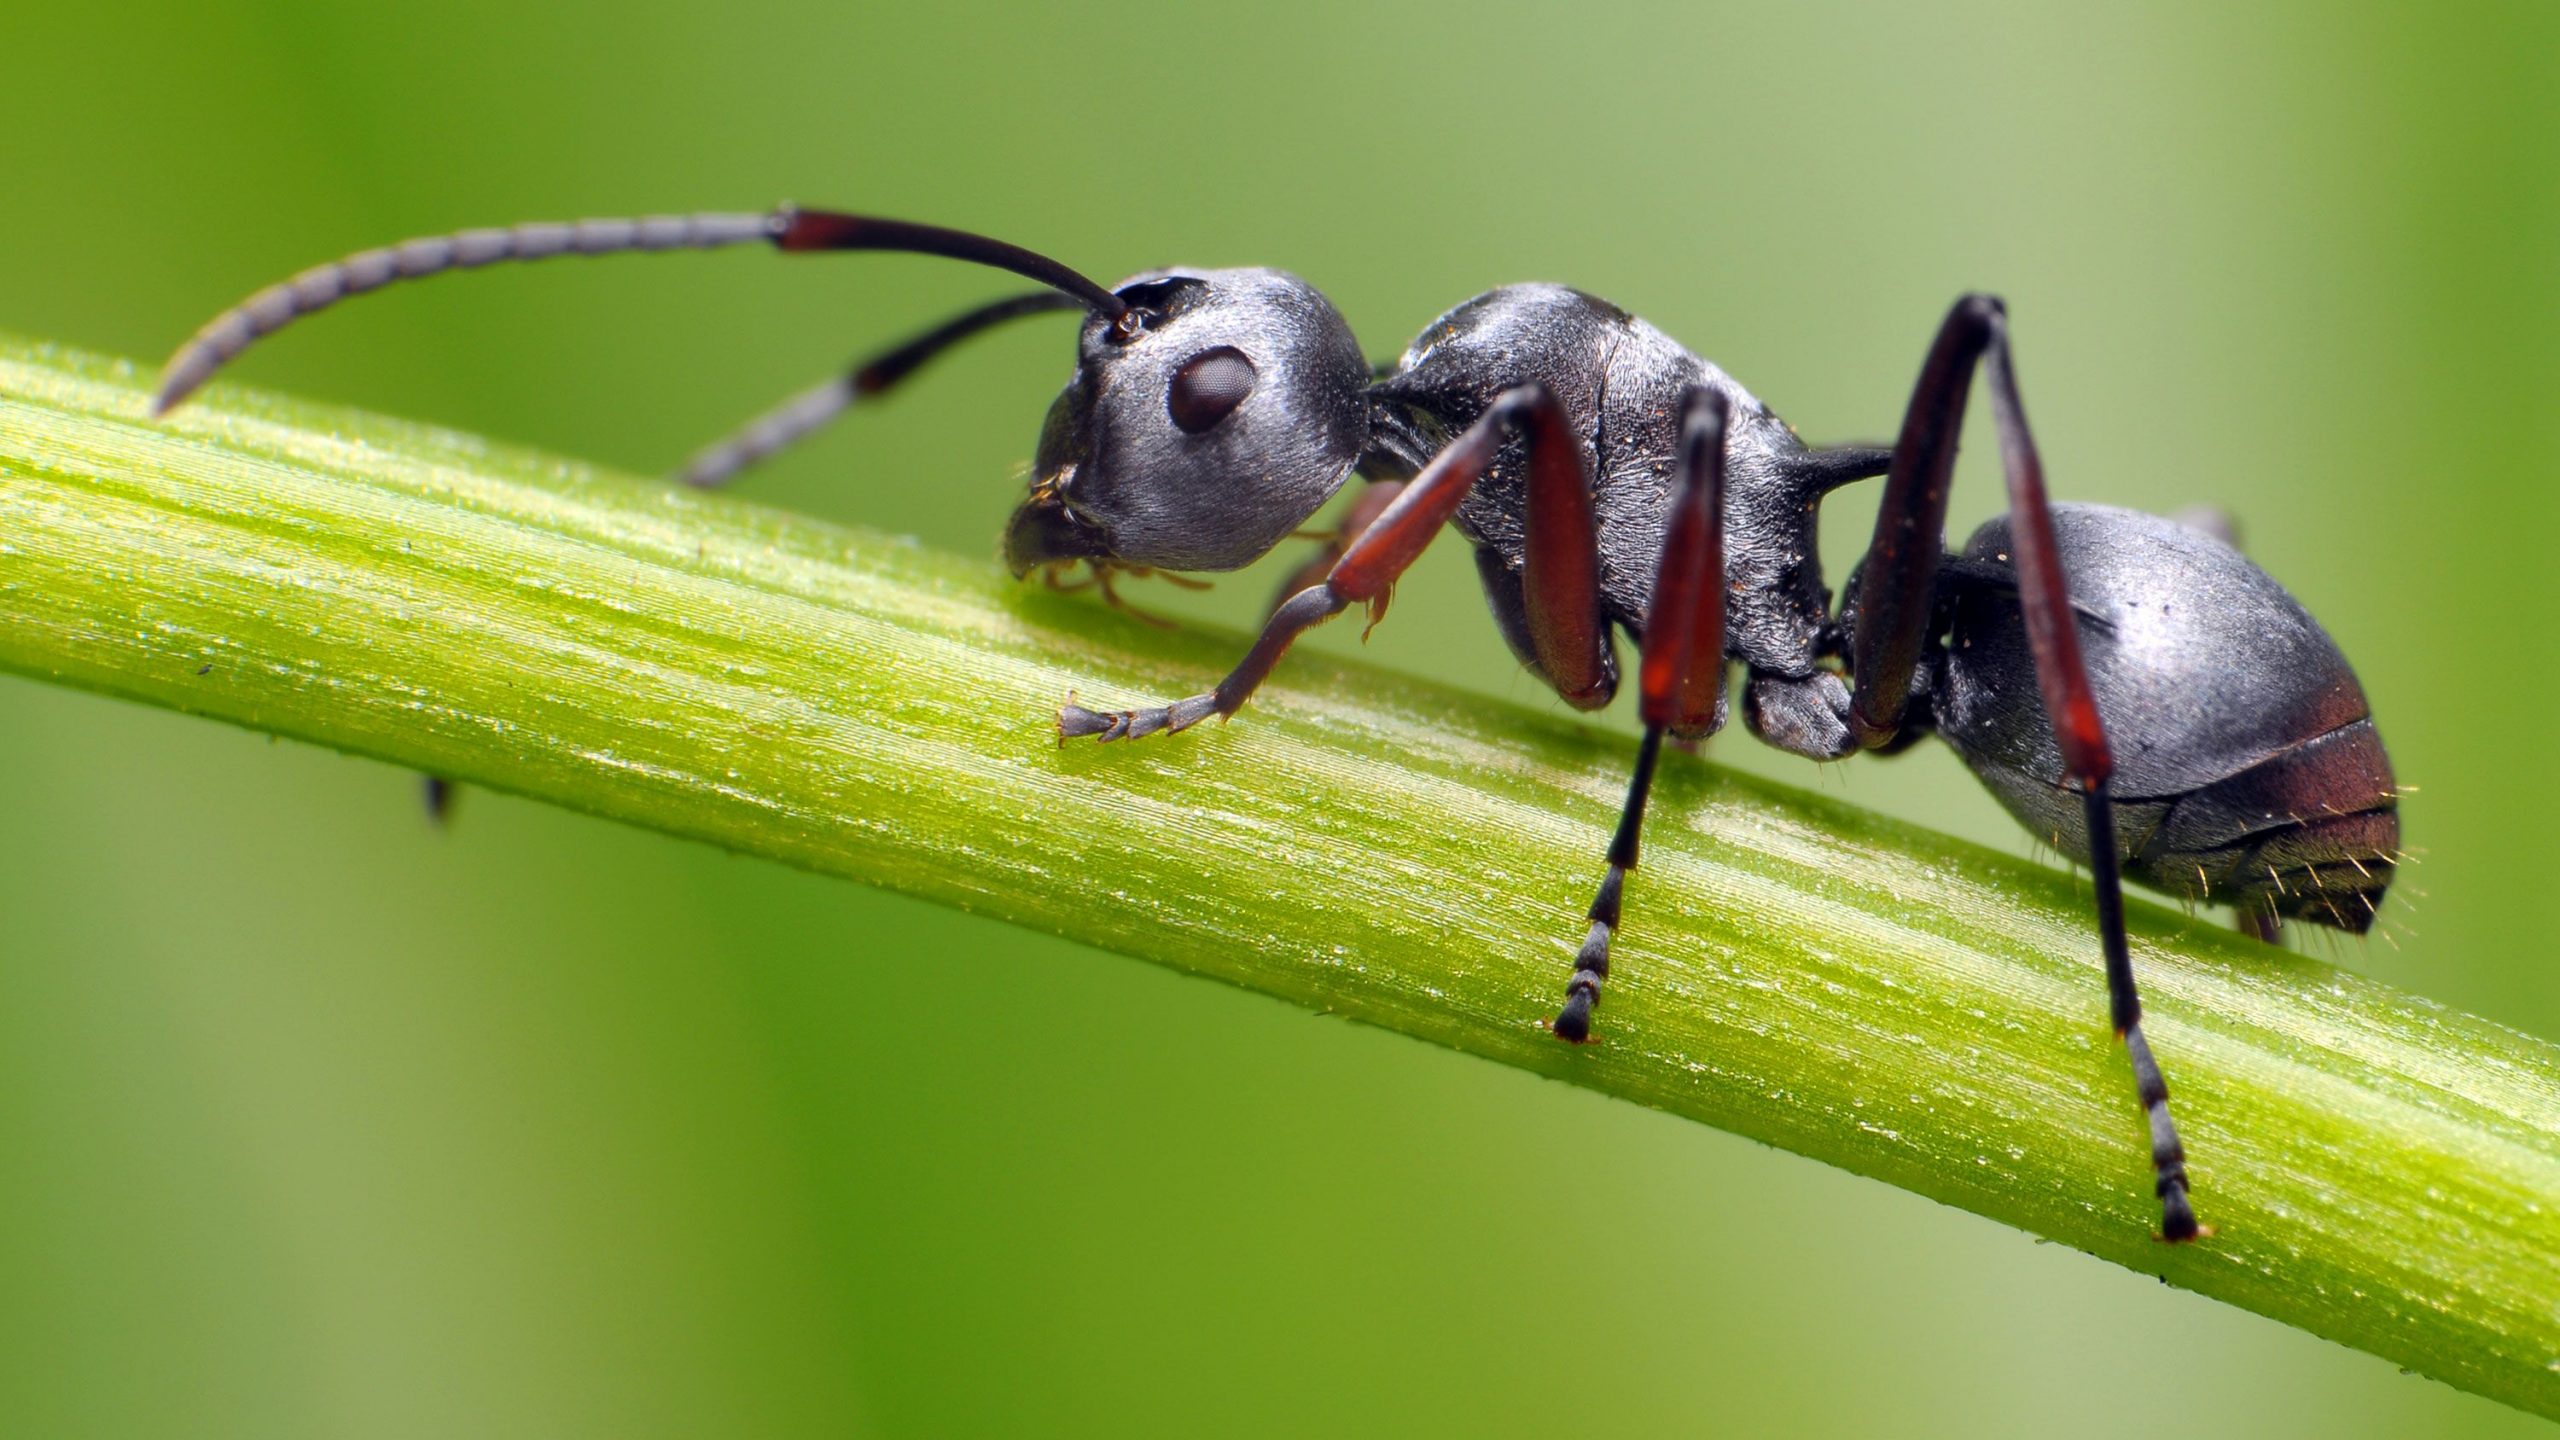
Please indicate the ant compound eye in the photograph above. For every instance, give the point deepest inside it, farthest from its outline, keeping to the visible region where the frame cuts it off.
(1208, 388)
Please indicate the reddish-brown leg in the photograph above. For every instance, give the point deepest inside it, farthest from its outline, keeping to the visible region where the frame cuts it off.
(1896, 600)
(1366, 507)
(1564, 598)
(1679, 679)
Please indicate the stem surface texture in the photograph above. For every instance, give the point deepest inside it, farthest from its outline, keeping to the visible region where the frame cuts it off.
(2378, 1169)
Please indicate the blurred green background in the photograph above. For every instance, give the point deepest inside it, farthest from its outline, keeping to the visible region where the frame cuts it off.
(316, 1122)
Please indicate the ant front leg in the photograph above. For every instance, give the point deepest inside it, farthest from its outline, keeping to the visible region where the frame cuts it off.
(1679, 678)
(1366, 507)
(1572, 639)
(1895, 607)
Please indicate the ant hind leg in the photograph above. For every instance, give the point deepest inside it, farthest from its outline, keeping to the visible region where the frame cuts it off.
(1895, 608)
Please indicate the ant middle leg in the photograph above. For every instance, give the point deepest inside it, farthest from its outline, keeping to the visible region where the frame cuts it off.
(1680, 677)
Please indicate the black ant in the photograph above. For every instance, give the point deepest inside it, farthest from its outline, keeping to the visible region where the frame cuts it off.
(1610, 479)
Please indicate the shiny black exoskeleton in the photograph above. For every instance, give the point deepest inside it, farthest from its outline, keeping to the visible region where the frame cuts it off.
(2132, 689)
(2248, 770)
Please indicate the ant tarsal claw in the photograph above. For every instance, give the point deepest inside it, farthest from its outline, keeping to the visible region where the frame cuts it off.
(2178, 1216)
(1076, 722)
(1573, 1023)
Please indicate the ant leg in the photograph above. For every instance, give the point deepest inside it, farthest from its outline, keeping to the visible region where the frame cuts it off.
(718, 463)
(1366, 507)
(1572, 640)
(1680, 677)
(1893, 622)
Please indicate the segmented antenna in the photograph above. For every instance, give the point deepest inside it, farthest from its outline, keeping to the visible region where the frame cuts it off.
(788, 228)
(322, 286)
(787, 422)
(717, 463)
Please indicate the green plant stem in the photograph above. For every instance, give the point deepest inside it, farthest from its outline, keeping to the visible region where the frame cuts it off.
(2381, 1171)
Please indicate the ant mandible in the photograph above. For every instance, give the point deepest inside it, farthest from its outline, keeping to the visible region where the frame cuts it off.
(1610, 479)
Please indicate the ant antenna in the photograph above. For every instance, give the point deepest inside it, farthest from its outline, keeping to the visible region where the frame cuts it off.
(793, 418)
(788, 228)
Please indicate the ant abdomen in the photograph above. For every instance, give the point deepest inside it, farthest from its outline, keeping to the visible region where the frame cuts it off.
(2248, 770)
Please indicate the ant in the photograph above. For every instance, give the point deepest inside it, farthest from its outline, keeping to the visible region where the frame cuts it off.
(1610, 480)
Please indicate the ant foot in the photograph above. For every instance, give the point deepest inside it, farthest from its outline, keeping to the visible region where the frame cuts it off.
(1573, 1023)
(2177, 1217)
(1076, 722)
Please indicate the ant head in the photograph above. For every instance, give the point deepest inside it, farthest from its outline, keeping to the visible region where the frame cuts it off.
(1203, 425)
